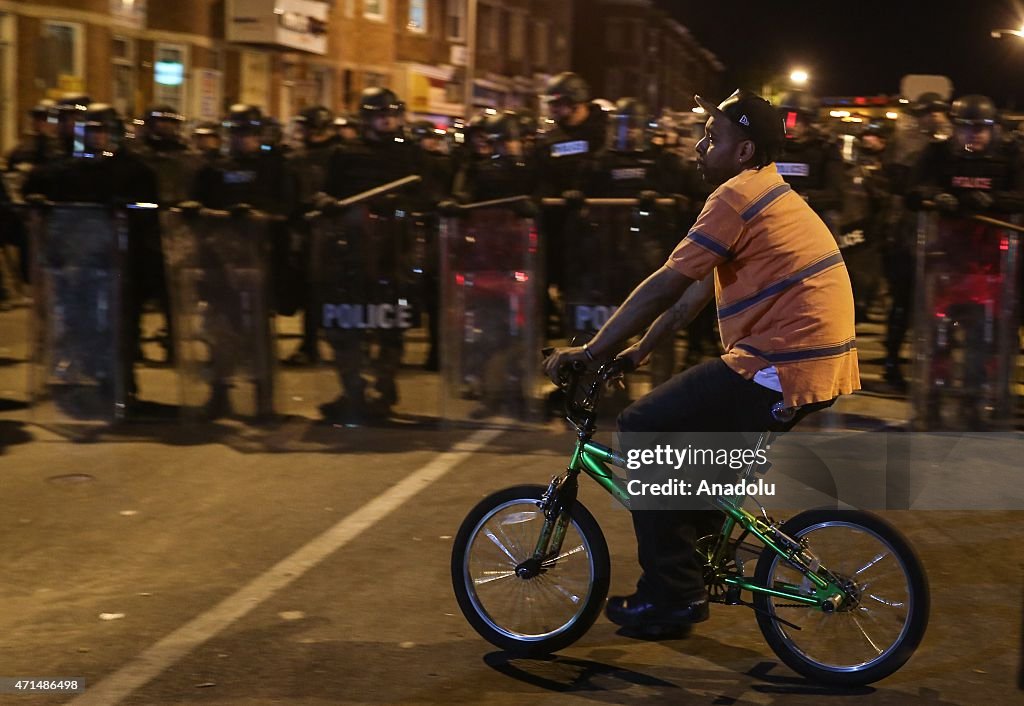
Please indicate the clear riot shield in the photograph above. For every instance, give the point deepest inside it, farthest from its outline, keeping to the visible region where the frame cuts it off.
(367, 280)
(965, 332)
(79, 371)
(490, 303)
(224, 341)
(612, 248)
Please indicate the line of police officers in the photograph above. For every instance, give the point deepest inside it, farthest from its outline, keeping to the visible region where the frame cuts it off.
(78, 152)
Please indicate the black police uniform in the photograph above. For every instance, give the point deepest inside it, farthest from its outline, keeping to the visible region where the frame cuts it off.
(354, 168)
(814, 168)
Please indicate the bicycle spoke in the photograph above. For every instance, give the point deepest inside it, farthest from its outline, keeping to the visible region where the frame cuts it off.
(490, 535)
(563, 555)
(871, 563)
(865, 634)
(492, 576)
(891, 604)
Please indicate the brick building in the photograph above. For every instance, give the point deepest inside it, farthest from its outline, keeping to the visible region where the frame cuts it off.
(631, 48)
(519, 44)
(202, 55)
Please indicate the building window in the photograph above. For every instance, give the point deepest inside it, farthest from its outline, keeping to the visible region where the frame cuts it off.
(350, 8)
(169, 75)
(455, 20)
(517, 35)
(122, 53)
(61, 56)
(374, 9)
(417, 16)
(372, 79)
(488, 33)
(541, 43)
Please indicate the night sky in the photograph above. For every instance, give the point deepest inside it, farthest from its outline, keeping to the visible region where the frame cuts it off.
(864, 47)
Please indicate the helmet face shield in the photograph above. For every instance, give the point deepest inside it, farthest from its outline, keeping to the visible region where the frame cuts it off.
(92, 140)
(628, 133)
(973, 137)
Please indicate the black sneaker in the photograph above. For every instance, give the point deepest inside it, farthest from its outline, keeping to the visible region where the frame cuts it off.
(637, 612)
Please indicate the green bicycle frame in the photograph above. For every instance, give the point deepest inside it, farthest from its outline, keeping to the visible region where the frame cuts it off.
(594, 459)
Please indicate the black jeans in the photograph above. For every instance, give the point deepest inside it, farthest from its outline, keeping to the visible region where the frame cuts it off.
(709, 397)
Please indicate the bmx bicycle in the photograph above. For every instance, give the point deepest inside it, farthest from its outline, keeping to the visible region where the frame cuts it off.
(840, 595)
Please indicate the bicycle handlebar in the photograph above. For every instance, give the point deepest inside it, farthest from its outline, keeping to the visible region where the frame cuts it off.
(569, 381)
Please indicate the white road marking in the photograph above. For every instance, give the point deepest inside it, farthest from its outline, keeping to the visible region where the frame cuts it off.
(148, 665)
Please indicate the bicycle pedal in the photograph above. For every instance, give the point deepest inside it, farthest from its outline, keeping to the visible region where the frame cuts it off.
(732, 596)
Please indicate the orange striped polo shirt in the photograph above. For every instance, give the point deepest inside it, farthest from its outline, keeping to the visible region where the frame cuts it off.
(783, 293)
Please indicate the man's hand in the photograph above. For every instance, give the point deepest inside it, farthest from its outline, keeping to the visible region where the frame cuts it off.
(635, 354)
(563, 356)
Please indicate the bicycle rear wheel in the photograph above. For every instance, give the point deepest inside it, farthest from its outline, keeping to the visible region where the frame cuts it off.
(867, 640)
(538, 614)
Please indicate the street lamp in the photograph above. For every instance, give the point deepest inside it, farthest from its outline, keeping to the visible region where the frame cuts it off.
(799, 77)
(1000, 33)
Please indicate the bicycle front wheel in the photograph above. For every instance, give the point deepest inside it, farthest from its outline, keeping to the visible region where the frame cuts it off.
(878, 631)
(532, 612)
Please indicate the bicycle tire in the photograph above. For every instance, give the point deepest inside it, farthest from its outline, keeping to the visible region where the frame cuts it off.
(781, 638)
(483, 613)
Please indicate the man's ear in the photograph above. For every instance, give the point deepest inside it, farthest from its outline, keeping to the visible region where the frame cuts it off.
(747, 151)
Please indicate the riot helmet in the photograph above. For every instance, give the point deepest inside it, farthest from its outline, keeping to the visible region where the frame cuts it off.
(799, 111)
(97, 132)
(316, 125)
(427, 135)
(347, 127)
(567, 87)
(69, 108)
(528, 125)
(931, 111)
(245, 124)
(566, 95)
(974, 119)
(502, 132)
(874, 137)
(628, 126)
(163, 124)
(206, 138)
(44, 117)
(475, 136)
(381, 112)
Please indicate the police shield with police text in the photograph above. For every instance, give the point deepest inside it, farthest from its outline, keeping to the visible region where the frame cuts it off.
(966, 327)
(367, 287)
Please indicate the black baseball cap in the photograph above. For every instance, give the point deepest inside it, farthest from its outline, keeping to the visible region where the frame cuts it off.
(755, 116)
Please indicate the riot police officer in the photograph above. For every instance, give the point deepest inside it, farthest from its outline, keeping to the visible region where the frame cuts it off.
(309, 167)
(258, 178)
(248, 174)
(381, 155)
(347, 128)
(99, 170)
(630, 165)
(568, 152)
(810, 163)
(502, 168)
(39, 145)
(163, 150)
(207, 141)
(975, 171)
(566, 158)
(69, 110)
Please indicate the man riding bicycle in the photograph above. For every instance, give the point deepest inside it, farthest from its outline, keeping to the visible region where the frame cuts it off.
(786, 314)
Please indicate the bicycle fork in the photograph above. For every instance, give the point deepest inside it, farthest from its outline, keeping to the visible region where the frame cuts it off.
(556, 503)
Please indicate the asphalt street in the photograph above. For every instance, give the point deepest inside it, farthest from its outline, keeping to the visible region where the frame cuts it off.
(303, 563)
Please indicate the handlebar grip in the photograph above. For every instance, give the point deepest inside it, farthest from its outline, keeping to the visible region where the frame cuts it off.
(619, 366)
